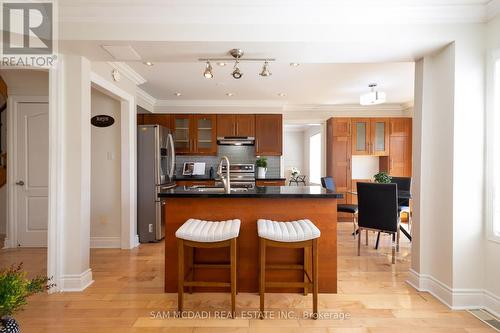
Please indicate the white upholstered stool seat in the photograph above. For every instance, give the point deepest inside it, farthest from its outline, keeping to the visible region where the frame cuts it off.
(208, 231)
(295, 231)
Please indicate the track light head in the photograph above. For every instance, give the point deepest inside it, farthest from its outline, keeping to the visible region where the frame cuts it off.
(208, 71)
(265, 70)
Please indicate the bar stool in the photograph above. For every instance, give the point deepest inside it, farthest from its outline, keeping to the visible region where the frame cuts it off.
(206, 234)
(297, 234)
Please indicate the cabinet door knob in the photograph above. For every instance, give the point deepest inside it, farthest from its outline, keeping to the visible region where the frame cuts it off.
(20, 183)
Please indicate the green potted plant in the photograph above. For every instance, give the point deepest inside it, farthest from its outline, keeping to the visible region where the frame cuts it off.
(15, 288)
(382, 178)
(261, 164)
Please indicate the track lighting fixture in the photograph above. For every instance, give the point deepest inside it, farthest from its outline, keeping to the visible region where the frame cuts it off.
(236, 55)
(208, 71)
(237, 74)
(265, 70)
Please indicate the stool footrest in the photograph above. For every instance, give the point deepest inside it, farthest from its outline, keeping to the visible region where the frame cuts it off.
(283, 266)
(215, 265)
(288, 284)
(206, 284)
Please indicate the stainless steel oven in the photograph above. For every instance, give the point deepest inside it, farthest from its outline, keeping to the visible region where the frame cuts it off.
(241, 175)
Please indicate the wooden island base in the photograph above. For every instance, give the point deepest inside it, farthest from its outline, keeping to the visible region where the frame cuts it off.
(321, 211)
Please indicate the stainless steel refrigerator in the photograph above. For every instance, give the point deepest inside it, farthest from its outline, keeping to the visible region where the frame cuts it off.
(155, 172)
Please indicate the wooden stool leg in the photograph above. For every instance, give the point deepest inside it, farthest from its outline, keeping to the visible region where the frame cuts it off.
(262, 274)
(233, 277)
(315, 276)
(307, 259)
(191, 266)
(180, 279)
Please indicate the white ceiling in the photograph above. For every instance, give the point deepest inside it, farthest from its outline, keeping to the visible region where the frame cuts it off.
(305, 84)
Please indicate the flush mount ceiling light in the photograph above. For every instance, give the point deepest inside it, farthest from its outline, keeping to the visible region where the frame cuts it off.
(177, 94)
(229, 94)
(373, 97)
(294, 64)
(236, 55)
(265, 70)
(148, 63)
(208, 74)
(281, 94)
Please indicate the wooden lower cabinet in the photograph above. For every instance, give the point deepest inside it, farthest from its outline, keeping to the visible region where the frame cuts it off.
(195, 182)
(261, 182)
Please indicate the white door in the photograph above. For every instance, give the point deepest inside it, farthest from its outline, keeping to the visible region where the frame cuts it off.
(32, 173)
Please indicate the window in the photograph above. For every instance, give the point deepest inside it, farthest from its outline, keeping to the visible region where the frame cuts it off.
(496, 152)
(315, 158)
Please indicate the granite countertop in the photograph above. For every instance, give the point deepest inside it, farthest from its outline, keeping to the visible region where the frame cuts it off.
(257, 192)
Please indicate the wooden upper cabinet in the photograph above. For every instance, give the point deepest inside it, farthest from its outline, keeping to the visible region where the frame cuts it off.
(245, 125)
(361, 136)
(182, 127)
(226, 125)
(400, 126)
(400, 143)
(140, 119)
(157, 119)
(205, 134)
(379, 142)
(236, 125)
(195, 134)
(341, 126)
(269, 134)
(370, 136)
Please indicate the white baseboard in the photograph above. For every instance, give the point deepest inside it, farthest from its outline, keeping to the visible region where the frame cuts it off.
(105, 243)
(6, 243)
(76, 282)
(455, 299)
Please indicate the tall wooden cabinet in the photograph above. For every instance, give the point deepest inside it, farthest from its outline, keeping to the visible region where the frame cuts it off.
(339, 151)
(400, 147)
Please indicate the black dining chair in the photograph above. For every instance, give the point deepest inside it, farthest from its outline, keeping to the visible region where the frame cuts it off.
(378, 211)
(404, 184)
(329, 184)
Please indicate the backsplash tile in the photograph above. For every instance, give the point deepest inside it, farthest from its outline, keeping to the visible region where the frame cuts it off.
(236, 154)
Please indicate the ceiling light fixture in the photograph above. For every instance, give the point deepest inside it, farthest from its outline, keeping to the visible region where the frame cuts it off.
(236, 55)
(373, 97)
(148, 63)
(281, 94)
(229, 94)
(265, 70)
(177, 94)
(208, 74)
(294, 64)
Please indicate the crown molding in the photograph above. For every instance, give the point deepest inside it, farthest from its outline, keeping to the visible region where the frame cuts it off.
(492, 9)
(345, 108)
(221, 102)
(145, 100)
(128, 72)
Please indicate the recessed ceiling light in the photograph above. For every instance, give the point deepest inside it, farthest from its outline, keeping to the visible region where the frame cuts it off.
(294, 64)
(148, 63)
(222, 64)
(281, 94)
(177, 94)
(229, 94)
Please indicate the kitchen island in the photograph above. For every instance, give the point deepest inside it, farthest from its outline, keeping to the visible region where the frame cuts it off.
(273, 203)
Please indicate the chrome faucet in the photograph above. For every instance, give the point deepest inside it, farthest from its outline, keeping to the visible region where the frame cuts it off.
(226, 181)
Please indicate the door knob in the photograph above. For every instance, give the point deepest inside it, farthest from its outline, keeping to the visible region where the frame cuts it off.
(20, 183)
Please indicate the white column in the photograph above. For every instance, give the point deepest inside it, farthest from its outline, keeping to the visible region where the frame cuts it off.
(75, 273)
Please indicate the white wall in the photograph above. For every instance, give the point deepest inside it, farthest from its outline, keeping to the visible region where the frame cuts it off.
(364, 167)
(491, 269)
(310, 131)
(105, 216)
(293, 151)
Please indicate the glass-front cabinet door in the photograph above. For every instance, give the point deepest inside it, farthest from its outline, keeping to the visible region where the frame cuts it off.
(379, 137)
(360, 136)
(182, 134)
(206, 134)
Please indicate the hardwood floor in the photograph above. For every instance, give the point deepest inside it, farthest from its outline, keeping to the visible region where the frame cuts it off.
(128, 287)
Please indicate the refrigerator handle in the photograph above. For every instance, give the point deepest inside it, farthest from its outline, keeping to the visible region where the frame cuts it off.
(172, 156)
